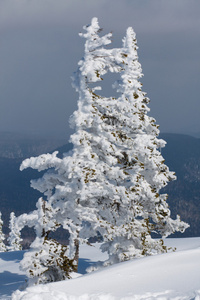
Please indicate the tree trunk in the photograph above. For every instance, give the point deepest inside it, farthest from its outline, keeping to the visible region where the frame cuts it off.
(76, 257)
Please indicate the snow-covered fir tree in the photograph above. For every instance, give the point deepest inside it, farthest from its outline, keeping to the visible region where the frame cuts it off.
(111, 181)
(2, 236)
(65, 183)
(14, 238)
(137, 170)
(47, 259)
(119, 164)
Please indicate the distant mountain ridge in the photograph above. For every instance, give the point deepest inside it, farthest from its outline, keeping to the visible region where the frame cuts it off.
(16, 145)
(181, 154)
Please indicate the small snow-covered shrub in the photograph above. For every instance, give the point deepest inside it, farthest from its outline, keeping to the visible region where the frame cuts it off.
(2, 237)
(49, 262)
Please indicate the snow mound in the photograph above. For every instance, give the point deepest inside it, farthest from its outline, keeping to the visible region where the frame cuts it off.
(174, 275)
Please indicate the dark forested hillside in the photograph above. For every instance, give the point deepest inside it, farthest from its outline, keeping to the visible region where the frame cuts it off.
(182, 155)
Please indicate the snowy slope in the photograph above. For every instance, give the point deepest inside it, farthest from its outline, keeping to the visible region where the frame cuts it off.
(10, 275)
(174, 275)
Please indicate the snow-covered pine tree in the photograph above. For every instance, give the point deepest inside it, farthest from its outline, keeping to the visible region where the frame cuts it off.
(2, 237)
(66, 184)
(46, 261)
(114, 174)
(14, 238)
(138, 173)
(119, 165)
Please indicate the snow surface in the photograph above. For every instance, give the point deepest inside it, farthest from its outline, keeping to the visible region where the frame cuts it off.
(174, 275)
(10, 275)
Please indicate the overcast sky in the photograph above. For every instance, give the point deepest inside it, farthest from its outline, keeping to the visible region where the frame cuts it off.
(40, 49)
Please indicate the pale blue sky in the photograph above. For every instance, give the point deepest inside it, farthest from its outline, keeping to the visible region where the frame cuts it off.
(40, 49)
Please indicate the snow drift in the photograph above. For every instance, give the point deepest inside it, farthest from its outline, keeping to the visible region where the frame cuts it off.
(174, 275)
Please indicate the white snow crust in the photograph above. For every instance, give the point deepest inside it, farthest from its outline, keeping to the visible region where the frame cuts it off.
(174, 275)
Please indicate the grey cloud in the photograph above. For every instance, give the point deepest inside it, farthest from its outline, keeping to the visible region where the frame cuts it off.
(40, 48)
